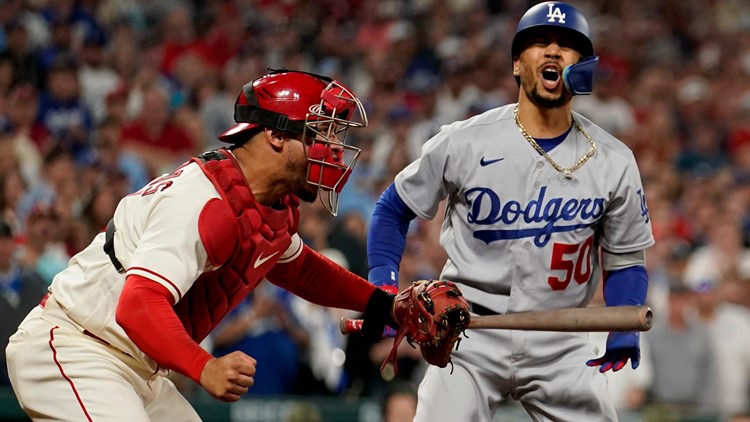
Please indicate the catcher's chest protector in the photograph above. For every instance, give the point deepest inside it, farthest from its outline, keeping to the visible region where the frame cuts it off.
(259, 232)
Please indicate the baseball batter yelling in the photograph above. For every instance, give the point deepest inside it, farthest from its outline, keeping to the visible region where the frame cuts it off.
(180, 253)
(540, 203)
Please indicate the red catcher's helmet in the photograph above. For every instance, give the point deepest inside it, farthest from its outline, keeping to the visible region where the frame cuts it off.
(313, 106)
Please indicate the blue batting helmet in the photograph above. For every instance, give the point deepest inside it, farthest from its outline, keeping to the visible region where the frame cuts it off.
(556, 14)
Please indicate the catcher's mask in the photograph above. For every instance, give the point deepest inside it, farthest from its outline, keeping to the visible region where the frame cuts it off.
(315, 108)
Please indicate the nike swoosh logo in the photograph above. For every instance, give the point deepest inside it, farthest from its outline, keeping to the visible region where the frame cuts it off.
(484, 162)
(261, 259)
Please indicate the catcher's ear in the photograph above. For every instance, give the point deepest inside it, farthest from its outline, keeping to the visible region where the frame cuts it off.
(275, 138)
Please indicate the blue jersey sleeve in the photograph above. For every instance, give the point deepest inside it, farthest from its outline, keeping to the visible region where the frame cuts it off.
(626, 287)
(387, 237)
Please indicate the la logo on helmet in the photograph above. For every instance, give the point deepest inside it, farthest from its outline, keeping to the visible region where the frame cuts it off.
(555, 14)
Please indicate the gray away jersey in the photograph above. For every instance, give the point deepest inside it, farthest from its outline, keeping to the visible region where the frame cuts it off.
(519, 235)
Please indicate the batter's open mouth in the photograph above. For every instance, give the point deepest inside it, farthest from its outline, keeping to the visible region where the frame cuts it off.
(550, 75)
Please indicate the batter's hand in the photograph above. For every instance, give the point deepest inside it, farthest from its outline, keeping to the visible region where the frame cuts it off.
(228, 377)
(621, 346)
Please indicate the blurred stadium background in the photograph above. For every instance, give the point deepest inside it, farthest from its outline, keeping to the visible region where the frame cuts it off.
(98, 96)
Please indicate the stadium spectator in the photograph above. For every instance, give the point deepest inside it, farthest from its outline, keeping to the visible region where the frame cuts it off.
(62, 110)
(20, 290)
(724, 255)
(263, 327)
(12, 189)
(97, 78)
(28, 136)
(26, 67)
(154, 136)
(111, 158)
(43, 249)
(679, 340)
(729, 326)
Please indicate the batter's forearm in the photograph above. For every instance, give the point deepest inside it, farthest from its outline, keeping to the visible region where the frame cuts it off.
(627, 286)
(387, 237)
(145, 313)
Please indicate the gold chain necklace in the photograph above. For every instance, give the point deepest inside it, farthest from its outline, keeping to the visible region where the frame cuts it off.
(566, 171)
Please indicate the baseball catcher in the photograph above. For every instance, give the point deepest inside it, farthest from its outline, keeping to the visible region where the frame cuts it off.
(430, 313)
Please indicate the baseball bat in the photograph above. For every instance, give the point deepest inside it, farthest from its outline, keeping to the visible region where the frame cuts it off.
(600, 318)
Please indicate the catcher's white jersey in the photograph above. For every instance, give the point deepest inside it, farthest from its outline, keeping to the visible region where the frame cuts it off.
(158, 239)
(519, 235)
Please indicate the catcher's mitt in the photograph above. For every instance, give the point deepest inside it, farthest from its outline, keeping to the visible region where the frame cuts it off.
(432, 314)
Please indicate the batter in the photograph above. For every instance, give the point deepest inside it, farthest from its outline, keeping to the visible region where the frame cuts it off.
(536, 193)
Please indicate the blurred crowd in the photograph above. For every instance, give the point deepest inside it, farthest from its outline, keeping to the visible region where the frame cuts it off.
(98, 96)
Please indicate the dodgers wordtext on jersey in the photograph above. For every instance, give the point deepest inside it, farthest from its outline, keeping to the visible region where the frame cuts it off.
(486, 208)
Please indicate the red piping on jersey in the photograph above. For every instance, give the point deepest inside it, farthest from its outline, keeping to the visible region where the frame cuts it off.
(296, 253)
(44, 300)
(155, 274)
(62, 372)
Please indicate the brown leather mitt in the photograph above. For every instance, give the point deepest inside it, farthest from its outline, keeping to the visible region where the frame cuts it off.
(432, 314)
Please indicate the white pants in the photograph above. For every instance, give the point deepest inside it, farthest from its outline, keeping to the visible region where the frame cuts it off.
(60, 374)
(546, 372)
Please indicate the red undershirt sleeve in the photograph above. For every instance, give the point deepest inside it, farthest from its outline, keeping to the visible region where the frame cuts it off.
(145, 313)
(319, 280)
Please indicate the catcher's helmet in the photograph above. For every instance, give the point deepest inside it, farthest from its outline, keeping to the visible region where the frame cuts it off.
(318, 109)
(578, 78)
(287, 99)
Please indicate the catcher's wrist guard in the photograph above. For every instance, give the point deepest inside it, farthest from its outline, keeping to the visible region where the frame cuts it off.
(378, 314)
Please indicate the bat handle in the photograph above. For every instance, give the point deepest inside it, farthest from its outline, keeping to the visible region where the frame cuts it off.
(349, 325)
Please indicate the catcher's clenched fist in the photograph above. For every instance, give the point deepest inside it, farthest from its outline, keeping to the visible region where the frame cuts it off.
(229, 377)
(430, 313)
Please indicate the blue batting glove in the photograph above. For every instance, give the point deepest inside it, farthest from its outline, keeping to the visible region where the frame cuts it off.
(620, 347)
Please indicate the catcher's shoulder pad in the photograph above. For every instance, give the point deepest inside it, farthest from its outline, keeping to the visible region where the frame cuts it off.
(219, 239)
